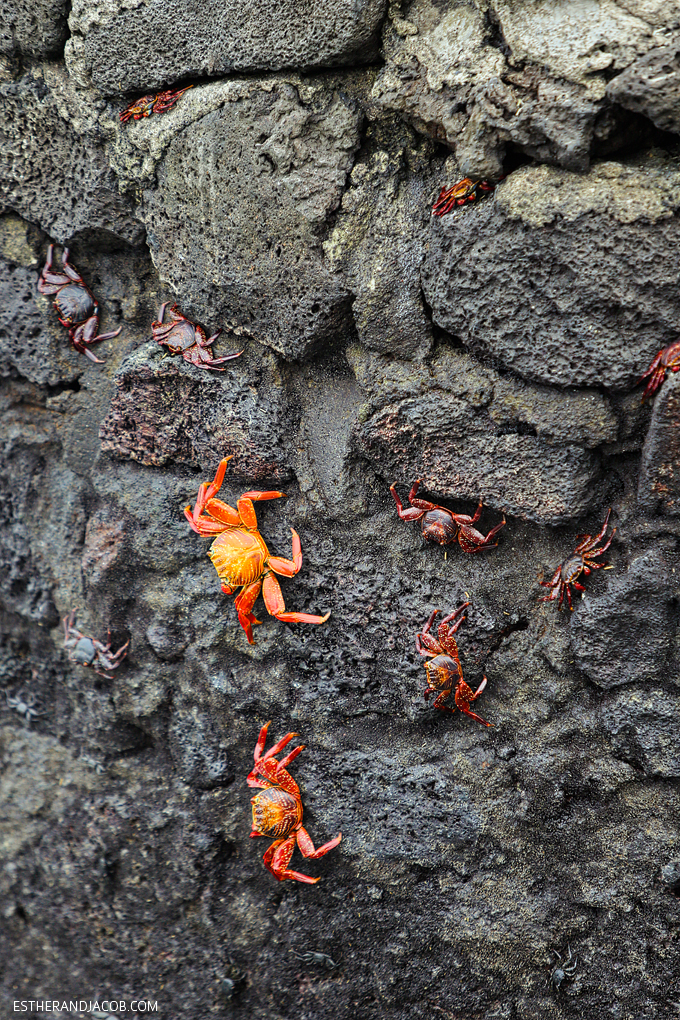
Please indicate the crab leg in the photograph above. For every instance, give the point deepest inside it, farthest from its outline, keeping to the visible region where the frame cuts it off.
(277, 858)
(464, 696)
(244, 605)
(273, 600)
(246, 508)
(304, 841)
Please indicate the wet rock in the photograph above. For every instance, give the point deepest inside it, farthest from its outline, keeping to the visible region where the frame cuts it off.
(651, 86)
(482, 77)
(305, 34)
(198, 751)
(233, 413)
(378, 240)
(598, 256)
(276, 154)
(627, 633)
(34, 30)
(470, 434)
(645, 731)
(659, 487)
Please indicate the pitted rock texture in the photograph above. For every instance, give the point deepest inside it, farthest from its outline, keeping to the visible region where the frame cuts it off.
(34, 30)
(651, 86)
(470, 855)
(561, 278)
(52, 166)
(628, 633)
(252, 253)
(170, 43)
(221, 414)
(482, 77)
(379, 238)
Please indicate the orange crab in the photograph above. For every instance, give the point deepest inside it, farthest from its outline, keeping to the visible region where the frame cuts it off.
(240, 555)
(444, 670)
(277, 810)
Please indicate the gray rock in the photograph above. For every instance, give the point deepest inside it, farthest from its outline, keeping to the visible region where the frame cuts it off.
(474, 435)
(483, 76)
(378, 240)
(120, 48)
(236, 413)
(659, 486)
(35, 30)
(651, 86)
(276, 154)
(598, 253)
(53, 170)
(198, 751)
(627, 633)
(645, 730)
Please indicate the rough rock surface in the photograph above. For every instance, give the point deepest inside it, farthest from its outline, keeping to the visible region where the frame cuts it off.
(273, 158)
(52, 166)
(33, 29)
(302, 34)
(483, 77)
(470, 855)
(564, 279)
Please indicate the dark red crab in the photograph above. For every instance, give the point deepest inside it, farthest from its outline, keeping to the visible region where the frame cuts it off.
(581, 561)
(157, 102)
(462, 193)
(74, 303)
(667, 360)
(182, 336)
(444, 671)
(441, 525)
(277, 810)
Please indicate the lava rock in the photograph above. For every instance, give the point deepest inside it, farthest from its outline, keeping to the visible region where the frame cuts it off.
(166, 410)
(627, 634)
(53, 170)
(198, 751)
(33, 29)
(597, 254)
(659, 486)
(645, 730)
(275, 154)
(120, 48)
(651, 86)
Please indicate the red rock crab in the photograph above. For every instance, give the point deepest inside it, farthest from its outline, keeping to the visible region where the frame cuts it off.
(441, 525)
(74, 303)
(277, 810)
(157, 102)
(444, 671)
(581, 561)
(182, 336)
(667, 360)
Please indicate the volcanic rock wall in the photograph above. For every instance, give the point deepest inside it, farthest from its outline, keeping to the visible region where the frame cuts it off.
(492, 353)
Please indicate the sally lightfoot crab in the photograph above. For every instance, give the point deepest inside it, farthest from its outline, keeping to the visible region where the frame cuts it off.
(87, 651)
(462, 193)
(157, 102)
(581, 561)
(240, 555)
(277, 810)
(74, 303)
(441, 525)
(667, 360)
(444, 670)
(182, 336)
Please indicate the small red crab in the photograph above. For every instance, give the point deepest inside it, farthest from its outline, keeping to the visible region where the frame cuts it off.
(445, 669)
(158, 102)
(667, 360)
(87, 651)
(462, 193)
(240, 556)
(182, 336)
(74, 303)
(581, 561)
(442, 525)
(277, 810)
